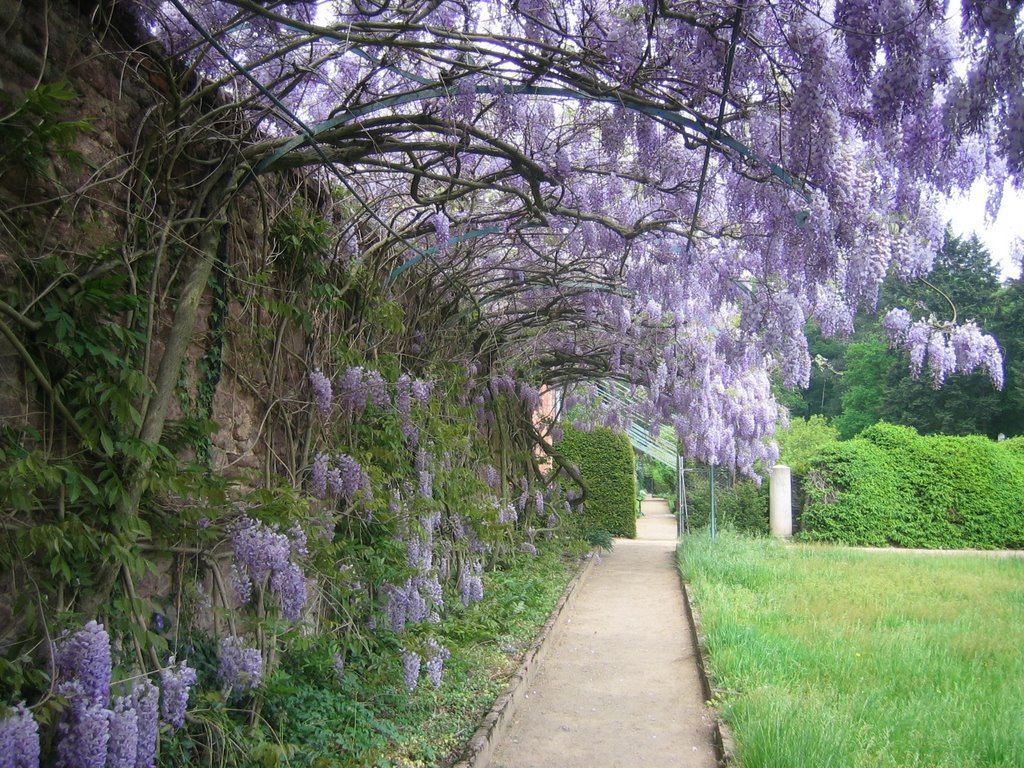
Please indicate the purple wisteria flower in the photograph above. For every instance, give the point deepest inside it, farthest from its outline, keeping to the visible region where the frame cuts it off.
(85, 657)
(377, 389)
(421, 391)
(471, 588)
(476, 584)
(241, 668)
(318, 475)
(442, 229)
(411, 667)
(426, 484)
(435, 661)
(491, 476)
(261, 550)
(507, 513)
(175, 683)
(354, 480)
(289, 583)
(528, 548)
(19, 739)
(353, 393)
(122, 749)
(322, 394)
(145, 702)
(83, 731)
(339, 667)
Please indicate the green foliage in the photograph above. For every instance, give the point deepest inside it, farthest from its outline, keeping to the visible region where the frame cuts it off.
(657, 478)
(363, 716)
(863, 388)
(601, 539)
(740, 504)
(606, 463)
(893, 487)
(32, 128)
(799, 442)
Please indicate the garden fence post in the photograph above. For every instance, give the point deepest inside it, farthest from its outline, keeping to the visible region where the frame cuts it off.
(780, 510)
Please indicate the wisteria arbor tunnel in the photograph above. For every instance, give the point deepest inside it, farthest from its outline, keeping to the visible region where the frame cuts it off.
(286, 280)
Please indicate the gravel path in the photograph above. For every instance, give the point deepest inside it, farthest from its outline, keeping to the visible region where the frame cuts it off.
(619, 685)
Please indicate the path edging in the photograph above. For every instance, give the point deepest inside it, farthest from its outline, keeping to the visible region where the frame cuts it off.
(492, 728)
(724, 742)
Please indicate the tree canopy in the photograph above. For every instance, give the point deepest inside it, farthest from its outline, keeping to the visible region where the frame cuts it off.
(659, 192)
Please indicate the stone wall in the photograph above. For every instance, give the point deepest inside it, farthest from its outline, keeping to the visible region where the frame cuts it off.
(122, 90)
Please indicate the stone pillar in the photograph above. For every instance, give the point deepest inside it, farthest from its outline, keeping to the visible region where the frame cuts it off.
(780, 508)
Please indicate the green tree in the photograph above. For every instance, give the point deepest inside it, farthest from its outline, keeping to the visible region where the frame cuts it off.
(863, 388)
(963, 285)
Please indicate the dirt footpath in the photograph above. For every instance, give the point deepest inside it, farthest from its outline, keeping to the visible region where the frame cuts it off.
(619, 685)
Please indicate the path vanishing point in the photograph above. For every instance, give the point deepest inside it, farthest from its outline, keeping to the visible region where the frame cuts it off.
(619, 686)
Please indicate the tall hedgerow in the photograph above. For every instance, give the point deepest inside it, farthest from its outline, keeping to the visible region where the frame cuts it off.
(893, 487)
(608, 467)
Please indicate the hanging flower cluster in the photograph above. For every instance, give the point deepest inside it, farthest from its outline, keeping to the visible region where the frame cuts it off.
(262, 551)
(95, 730)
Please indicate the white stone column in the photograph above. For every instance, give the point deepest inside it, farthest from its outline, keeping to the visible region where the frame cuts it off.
(780, 507)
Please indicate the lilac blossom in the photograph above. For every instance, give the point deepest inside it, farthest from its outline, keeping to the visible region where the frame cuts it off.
(175, 682)
(19, 739)
(85, 657)
(241, 668)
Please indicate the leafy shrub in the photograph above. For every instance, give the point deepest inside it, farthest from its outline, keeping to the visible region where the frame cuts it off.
(607, 465)
(741, 505)
(802, 440)
(893, 487)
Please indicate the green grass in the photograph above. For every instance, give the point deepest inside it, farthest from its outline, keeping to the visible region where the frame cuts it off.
(826, 657)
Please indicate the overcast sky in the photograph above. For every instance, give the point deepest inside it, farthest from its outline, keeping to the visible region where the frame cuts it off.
(967, 215)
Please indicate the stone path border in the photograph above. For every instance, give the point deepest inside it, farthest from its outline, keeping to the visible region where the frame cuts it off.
(492, 728)
(725, 743)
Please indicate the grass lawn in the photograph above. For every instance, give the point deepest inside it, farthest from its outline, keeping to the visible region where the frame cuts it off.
(825, 657)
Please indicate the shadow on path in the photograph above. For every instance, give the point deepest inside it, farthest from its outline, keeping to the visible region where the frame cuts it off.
(619, 685)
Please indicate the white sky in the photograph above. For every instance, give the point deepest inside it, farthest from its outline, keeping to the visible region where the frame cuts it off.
(967, 216)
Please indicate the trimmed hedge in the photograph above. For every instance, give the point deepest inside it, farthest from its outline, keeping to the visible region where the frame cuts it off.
(607, 465)
(891, 486)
